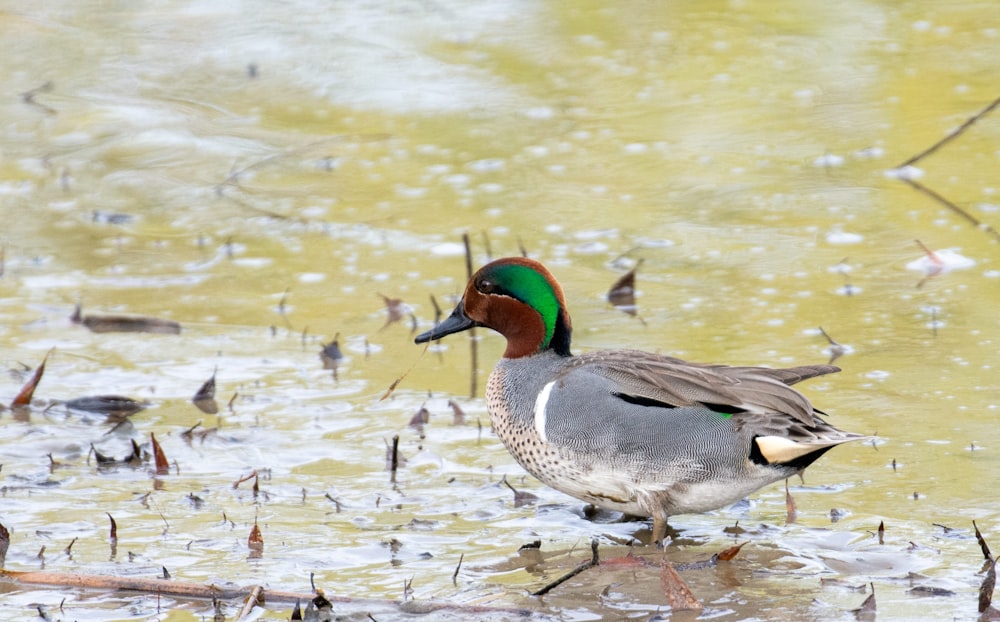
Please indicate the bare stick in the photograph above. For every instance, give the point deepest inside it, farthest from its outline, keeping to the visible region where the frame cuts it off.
(958, 132)
(473, 342)
(185, 589)
(593, 561)
(395, 457)
(256, 597)
(953, 207)
(395, 383)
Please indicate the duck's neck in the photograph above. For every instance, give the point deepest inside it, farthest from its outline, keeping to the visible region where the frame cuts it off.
(526, 340)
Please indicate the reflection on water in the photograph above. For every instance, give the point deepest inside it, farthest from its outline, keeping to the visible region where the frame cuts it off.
(268, 175)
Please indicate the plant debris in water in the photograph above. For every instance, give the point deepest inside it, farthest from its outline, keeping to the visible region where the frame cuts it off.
(331, 355)
(204, 399)
(256, 540)
(679, 595)
(159, 457)
(125, 323)
(521, 498)
(114, 405)
(23, 398)
(622, 292)
(396, 310)
(868, 608)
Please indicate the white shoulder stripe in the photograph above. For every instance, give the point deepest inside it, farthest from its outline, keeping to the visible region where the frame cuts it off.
(540, 402)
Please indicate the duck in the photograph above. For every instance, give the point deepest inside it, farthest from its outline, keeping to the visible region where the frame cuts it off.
(627, 430)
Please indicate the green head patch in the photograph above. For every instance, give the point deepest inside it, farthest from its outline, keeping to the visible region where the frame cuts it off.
(527, 285)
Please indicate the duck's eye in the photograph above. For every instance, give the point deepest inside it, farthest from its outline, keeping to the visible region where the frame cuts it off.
(486, 286)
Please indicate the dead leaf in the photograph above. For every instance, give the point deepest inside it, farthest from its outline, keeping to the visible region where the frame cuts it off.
(458, 415)
(730, 553)
(101, 458)
(159, 458)
(679, 595)
(114, 529)
(867, 609)
(421, 417)
(881, 532)
(521, 498)
(125, 323)
(395, 309)
(256, 539)
(982, 542)
(114, 405)
(28, 390)
(836, 350)
(136, 458)
(204, 399)
(986, 588)
(4, 543)
(622, 293)
(392, 387)
(331, 354)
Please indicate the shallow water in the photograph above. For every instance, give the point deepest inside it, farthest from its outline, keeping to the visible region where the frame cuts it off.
(262, 173)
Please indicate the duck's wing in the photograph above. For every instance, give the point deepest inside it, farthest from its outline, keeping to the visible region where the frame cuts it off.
(648, 379)
(637, 402)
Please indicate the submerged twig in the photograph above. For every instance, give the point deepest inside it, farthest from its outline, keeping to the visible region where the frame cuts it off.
(593, 561)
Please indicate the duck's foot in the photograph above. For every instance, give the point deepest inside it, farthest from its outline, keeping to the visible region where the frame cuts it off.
(659, 531)
(597, 514)
(662, 532)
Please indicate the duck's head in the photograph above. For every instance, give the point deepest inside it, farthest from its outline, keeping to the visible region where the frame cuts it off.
(520, 299)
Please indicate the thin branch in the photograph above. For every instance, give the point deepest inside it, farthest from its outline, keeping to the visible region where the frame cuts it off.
(256, 597)
(473, 342)
(184, 589)
(953, 207)
(593, 561)
(950, 137)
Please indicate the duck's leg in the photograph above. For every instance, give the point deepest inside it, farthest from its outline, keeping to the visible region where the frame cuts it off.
(659, 529)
